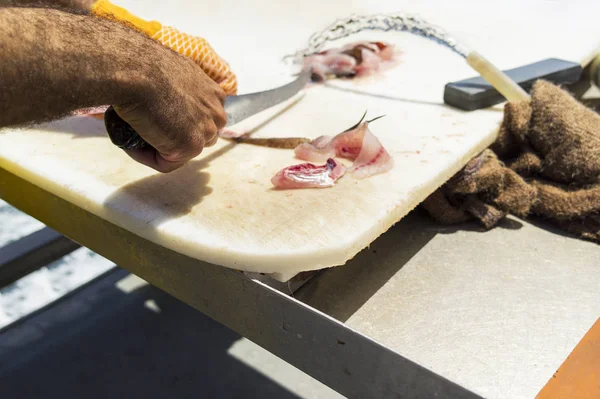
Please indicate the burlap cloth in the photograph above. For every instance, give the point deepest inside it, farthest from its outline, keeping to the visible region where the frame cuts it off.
(545, 163)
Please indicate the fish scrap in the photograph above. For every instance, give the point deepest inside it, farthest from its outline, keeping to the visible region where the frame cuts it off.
(357, 143)
(94, 112)
(352, 60)
(307, 175)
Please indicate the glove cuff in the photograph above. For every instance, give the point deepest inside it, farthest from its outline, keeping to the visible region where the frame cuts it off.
(107, 10)
(195, 48)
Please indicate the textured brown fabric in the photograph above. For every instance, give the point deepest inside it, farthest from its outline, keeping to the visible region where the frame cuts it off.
(545, 163)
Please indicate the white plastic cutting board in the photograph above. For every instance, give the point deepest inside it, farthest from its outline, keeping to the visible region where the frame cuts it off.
(221, 208)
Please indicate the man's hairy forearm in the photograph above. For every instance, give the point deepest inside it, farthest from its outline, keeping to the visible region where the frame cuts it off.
(79, 6)
(52, 63)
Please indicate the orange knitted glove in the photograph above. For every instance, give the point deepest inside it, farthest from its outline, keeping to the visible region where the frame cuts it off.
(195, 48)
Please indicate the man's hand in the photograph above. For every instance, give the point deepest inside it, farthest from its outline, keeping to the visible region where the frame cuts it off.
(52, 63)
(176, 113)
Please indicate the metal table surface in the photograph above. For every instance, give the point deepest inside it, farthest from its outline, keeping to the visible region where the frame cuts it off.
(425, 311)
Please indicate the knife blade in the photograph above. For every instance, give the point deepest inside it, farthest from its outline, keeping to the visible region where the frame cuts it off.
(237, 108)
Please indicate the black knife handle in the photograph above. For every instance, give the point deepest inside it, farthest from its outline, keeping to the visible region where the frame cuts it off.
(121, 133)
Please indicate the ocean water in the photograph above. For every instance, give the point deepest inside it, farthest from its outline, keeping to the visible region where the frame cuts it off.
(15, 224)
(49, 283)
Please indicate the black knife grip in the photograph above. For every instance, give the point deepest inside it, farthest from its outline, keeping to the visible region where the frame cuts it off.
(121, 133)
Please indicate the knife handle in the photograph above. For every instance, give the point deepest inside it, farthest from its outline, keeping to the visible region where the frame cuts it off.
(121, 133)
